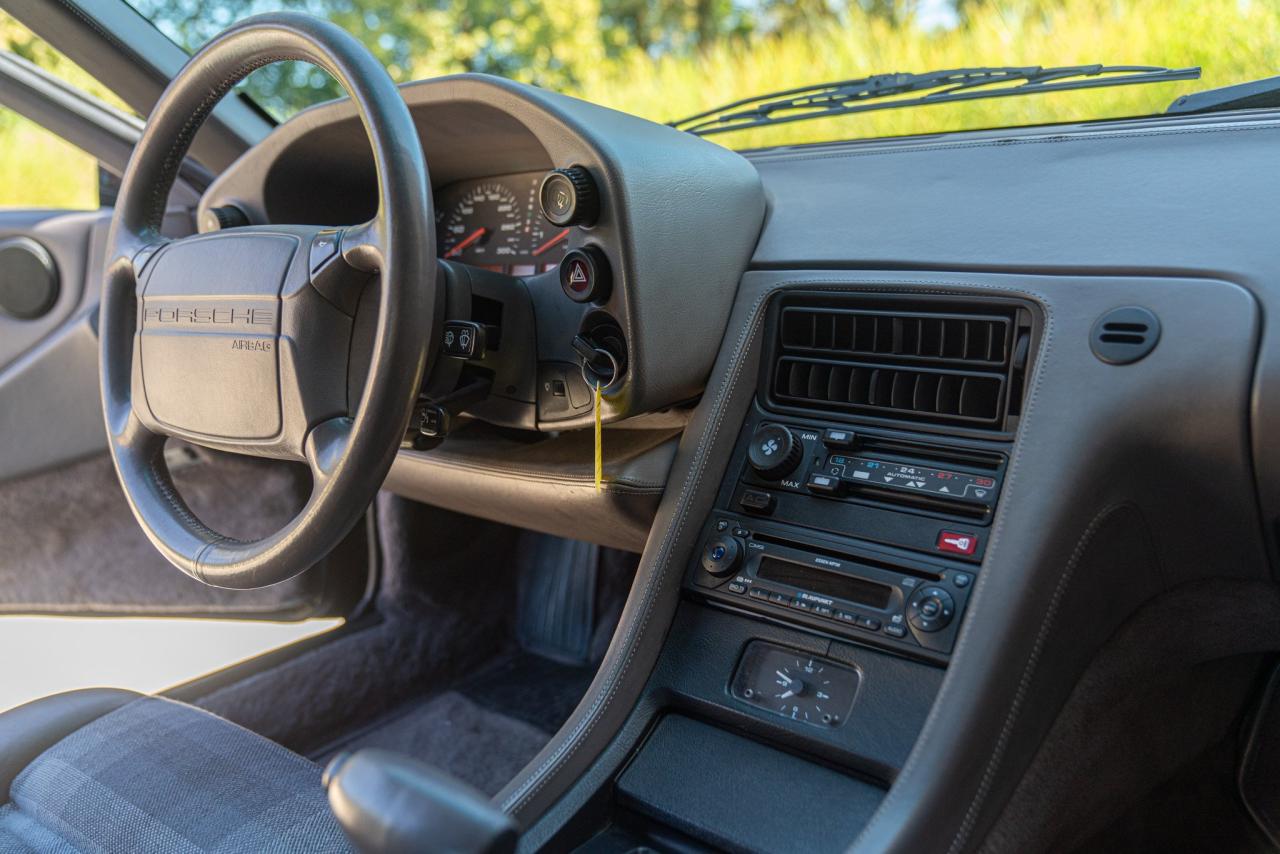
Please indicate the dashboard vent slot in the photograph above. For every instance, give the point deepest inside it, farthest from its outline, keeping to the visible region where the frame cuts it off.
(860, 386)
(938, 360)
(977, 340)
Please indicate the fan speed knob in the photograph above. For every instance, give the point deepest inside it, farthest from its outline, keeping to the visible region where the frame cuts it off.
(775, 452)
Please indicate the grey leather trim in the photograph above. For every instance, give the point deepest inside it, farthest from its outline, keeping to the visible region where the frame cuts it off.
(28, 730)
(547, 485)
(654, 593)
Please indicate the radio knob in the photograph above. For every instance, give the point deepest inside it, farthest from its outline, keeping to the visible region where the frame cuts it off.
(722, 555)
(775, 452)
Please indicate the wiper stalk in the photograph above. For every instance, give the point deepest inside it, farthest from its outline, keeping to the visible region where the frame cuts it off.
(959, 84)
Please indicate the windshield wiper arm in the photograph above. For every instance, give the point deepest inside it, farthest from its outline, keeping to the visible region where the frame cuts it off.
(957, 84)
(1254, 95)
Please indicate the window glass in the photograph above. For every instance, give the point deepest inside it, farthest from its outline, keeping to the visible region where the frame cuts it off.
(667, 59)
(38, 169)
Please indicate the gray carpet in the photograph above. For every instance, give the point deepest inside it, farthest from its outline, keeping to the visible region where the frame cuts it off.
(480, 747)
(434, 671)
(71, 543)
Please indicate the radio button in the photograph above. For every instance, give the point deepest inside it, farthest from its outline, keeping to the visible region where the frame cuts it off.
(736, 587)
(758, 593)
(869, 623)
(780, 599)
(894, 630)
(846, 617)
(822, 610)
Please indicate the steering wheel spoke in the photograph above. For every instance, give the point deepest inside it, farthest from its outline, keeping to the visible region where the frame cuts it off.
(362, 246)
(326, 447)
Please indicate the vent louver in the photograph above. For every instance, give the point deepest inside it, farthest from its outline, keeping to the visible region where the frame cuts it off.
(916, 363)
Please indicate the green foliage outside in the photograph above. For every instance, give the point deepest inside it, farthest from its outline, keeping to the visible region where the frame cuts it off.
(664, 59)
(37, 169)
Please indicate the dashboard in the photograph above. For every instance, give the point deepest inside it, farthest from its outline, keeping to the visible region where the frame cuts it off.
(826, 316)
(497, 224)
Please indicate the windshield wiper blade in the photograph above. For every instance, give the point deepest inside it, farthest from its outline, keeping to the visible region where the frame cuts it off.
(957, 84)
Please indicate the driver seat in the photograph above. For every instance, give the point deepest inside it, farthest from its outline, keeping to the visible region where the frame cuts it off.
(109, 770)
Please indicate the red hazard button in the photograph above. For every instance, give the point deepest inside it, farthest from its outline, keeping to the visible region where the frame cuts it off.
(579, 276)
(584, 275)
(957, 543)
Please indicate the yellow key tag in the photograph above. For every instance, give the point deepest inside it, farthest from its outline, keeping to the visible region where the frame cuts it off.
(599, 441)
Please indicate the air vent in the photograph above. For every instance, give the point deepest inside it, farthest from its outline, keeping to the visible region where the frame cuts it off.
(1124, 335)
(979, 340)
(921, 360)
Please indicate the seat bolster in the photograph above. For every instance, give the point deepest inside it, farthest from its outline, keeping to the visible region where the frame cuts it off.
(28, 730)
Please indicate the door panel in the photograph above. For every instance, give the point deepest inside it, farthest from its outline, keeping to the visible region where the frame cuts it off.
(66, 237)
(68, 541)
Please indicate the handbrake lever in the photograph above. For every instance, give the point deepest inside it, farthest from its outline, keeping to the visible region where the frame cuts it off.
(391, 804)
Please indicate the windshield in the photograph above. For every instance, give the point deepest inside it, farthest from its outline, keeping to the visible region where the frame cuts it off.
(665, 59)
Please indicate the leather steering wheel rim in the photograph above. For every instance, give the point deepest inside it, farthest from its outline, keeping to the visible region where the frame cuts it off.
(349, 449)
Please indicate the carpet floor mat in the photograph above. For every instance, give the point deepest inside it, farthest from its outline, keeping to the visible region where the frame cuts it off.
(486, 728)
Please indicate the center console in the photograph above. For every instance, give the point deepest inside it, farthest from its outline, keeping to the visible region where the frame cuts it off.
(832, 571)
(834, 518)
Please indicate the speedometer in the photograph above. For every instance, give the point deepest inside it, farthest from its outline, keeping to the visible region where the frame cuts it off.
(484, 227)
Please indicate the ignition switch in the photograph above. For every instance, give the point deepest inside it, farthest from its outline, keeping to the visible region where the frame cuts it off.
(599, 366)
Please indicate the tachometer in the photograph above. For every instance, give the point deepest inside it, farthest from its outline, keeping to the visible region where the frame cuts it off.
(484, 226)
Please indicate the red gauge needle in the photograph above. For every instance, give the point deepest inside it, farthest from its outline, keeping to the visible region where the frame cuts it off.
(552, 242)
(467, 241)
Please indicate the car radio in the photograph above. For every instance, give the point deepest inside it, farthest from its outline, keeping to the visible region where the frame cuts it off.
(871, 535)
(839, 586)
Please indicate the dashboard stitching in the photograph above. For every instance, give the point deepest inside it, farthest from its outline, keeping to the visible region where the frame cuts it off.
(997, 754)
(1005, 143)
(540, 776)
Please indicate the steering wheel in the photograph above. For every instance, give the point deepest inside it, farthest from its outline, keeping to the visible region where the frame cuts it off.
(242, 340)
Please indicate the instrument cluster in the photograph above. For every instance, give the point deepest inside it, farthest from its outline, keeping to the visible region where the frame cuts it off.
(497, 224)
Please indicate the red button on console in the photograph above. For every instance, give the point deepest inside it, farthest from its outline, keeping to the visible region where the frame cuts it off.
(957, 543)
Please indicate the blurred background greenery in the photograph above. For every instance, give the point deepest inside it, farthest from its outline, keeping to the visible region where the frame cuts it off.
(665, 59)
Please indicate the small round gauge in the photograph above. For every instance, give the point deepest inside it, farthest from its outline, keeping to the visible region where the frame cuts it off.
(484, 226)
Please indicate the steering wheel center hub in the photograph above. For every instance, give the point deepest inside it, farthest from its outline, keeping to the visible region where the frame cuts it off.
(208, 359)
